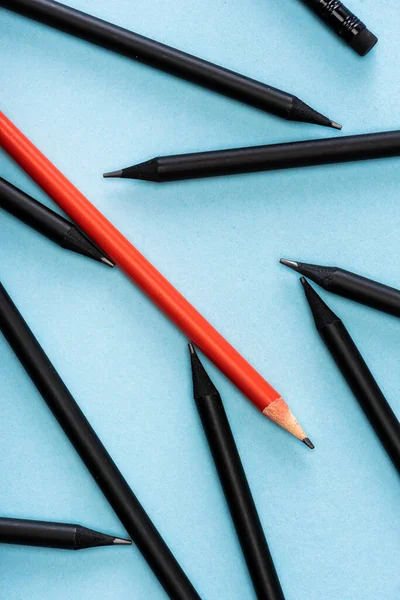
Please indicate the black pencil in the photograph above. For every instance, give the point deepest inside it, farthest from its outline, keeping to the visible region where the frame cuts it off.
(344, 23)
(92, 452)
(47, 222)
(352, 286)
(234, 482)
(54, 535)
(264, 158)
(357, 374)
(168, 59)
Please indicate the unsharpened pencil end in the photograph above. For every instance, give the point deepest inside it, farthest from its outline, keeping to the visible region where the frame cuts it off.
(122, 542)
(336, 125)
(308, 443)
(113, 174)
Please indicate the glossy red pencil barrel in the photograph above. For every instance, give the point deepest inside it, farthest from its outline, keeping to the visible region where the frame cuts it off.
(150, 281)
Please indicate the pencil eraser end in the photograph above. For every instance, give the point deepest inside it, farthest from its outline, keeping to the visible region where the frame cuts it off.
(364, 42)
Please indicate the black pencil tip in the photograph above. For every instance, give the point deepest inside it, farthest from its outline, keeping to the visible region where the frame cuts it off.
(122, 542)
(146, 171)
(290, 263)
(323, 315)
(78, 242)
(305, 283)
(308, 443)
(202, 384)
(336, 126)
(302, 112)
(108, 262)
(113, 174)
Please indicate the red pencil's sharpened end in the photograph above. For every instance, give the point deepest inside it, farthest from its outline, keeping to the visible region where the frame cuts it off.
(308, 443)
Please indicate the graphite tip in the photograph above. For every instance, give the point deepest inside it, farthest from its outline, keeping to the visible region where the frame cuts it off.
(336, 125)
(122, 542)
(308, 443)
(289, 263)
(107, 261)
(113, 174)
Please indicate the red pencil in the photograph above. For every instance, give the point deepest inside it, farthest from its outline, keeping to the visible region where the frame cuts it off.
(149, 280)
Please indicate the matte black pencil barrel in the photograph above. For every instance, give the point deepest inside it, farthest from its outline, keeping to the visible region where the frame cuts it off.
(265, 158)
(235, 485)
(344, 23)
(54, 535)
(93, 453)
(48, 223)
(168, 59)
(357, 374)
(350, 285)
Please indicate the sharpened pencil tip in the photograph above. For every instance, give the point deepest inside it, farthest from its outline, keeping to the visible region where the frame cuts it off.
(191, 349)
(308, 443)
(336, 125)
(289, 263)
(113, 174)
(304, 283)
(107, 261)
(122, 542)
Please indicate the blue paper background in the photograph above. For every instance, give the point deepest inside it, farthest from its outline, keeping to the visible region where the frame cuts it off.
(332, 515)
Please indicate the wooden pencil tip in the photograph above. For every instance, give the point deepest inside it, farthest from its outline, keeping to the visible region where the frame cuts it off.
(308, 443)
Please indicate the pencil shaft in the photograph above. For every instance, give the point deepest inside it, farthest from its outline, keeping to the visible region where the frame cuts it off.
(366, 291)
(234, 482)
(51, 535)
(92, 452)
(365, 388)
(239, 498)
(38, 533)
(356, 372)
(165, 58)
(33, 213)
(267, 158)
(149, 280)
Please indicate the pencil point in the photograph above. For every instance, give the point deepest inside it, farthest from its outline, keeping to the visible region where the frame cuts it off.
(289, 263)
(202, 384)
(336, 125)
(308, 443)
(146, 171)
(304, 113)
(113, 174)
(122, 542)
(107, 262)
(321, 312)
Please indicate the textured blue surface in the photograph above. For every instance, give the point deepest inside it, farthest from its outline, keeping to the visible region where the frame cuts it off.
(332, 515)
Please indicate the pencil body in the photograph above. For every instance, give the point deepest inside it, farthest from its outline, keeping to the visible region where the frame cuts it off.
(265, 158)
(47, 222)
(53, 535)
(352, 286)
(149, 280)
(92, 452)
(235, 485)
(357, 374)
(167, 59)
(344, 23)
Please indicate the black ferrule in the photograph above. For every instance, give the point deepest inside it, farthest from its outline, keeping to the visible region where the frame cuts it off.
(344, 23)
